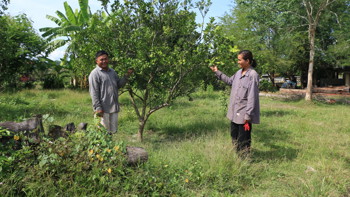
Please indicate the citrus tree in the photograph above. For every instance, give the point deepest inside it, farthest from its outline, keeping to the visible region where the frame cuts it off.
(160, 40)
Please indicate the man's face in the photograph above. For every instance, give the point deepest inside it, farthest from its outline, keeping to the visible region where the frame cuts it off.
(102, 62)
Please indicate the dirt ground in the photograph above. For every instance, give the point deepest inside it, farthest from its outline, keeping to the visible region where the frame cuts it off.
(336, 90)
(337, 94)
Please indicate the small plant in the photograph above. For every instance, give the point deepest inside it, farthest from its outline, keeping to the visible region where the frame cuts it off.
(224, 99)
(47, 118)
(12, 149)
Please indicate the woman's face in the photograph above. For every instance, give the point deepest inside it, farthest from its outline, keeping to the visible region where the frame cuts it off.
(242, 62)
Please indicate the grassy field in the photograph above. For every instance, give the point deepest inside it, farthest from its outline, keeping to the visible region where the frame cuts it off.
(299, 149)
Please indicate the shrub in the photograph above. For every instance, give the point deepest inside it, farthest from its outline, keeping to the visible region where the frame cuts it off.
(88, 157)
(52, 82)
(267, 86)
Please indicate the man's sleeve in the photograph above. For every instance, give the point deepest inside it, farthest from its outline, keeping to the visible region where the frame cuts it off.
(95, 92)
(121, 81)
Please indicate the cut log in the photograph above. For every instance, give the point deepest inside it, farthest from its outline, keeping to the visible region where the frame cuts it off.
(136, 155)
(56, 132)
(34, 123)
(70, 127)
(29, 128)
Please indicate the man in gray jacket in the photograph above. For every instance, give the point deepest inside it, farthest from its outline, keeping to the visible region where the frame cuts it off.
(103, 87)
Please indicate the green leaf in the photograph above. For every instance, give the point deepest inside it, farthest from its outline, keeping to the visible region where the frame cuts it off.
(72, 18)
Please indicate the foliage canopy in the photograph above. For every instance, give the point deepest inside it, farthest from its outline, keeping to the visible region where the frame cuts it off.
(21, 50)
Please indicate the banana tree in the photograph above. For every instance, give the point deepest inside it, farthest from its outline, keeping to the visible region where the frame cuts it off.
(69, 25)
(70, 28)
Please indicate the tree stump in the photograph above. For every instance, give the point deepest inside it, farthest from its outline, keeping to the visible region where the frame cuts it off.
(56, 132)
(70, 127)
(136, 155)
(29, 128)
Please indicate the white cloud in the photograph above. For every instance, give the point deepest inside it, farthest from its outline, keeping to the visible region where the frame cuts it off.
(57, 54)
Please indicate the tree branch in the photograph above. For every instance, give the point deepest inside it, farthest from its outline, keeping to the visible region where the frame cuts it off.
(308, 11)
(337, 18)
(122, 92)
(139, 97)
(157, 108)
(131, 93)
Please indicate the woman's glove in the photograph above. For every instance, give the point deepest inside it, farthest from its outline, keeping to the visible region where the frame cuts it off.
(246, 126)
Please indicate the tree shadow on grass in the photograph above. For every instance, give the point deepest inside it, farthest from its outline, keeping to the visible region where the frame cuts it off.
(343, 157)
(181, 105)
(272, 140)
(277, 113)
(288, 98)
(275, 153)
(173, 132)
(18, 113)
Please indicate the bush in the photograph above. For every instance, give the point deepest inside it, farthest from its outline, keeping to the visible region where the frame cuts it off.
(84, 163)
(267, 86)
(8, 152)
(53, 82)
(89, 158)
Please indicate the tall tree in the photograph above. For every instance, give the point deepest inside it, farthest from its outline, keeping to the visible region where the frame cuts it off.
(314, 11)
(257, 25)
(3, 6)
(340, 49)
(20, 48)
(277, 31)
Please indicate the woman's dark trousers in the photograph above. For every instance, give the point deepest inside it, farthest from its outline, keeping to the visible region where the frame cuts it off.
(241, 138)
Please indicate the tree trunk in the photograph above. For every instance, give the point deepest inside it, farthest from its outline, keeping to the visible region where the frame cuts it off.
(31, 128)
(142, 124)
(85, 82)
(272, 78)
(75, 81)
(312, 30)
(81, 81)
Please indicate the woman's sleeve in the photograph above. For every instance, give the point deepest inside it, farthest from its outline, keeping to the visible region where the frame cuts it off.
(253, 97)
(228, 80)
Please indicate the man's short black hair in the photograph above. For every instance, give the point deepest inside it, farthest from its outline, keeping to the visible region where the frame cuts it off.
(99, 53)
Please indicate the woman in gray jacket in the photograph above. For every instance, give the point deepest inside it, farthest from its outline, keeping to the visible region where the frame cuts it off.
(244, 109)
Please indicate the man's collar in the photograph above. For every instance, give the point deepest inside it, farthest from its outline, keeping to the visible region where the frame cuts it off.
(101, 69)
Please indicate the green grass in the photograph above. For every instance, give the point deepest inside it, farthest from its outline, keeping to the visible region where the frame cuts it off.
(299, 149)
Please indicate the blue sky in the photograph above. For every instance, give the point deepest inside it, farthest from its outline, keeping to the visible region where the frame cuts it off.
(37, 10)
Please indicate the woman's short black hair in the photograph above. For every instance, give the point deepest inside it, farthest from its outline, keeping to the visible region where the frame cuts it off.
(99, 53)
(248, 55)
